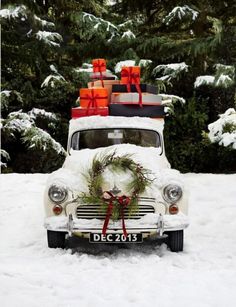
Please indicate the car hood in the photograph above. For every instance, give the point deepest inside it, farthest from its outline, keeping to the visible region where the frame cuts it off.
(73, 173)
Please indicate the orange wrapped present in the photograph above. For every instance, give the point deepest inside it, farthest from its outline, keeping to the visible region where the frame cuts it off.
(99, 65)
(107, 84)
(93, 97)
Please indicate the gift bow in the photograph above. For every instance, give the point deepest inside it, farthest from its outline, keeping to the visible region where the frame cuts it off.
(123, 201)
(99, 65)
(92, 100)
(133, 78)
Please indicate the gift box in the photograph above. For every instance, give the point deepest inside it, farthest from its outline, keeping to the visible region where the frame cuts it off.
(132, 110)
(107, 84)
(145, 88)
(99, 65)
(130, 75)
(102, 76)
(93, 97)
(82, 112)
(133, 98)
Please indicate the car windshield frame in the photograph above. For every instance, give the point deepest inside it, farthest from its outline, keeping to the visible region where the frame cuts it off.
(158, 139)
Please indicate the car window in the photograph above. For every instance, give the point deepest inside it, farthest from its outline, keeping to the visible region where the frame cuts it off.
(96, 138)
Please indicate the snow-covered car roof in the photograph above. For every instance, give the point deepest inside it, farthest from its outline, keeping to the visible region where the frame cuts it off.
(94, 122)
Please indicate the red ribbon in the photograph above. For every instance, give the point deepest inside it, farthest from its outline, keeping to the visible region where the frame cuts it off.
(133, 78)
(99, 65)
(92, 98)
(123, 202)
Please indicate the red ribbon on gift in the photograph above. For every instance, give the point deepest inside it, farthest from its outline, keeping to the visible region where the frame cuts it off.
(100, 65)
(123, 202)
(92, 98)
(133, 78)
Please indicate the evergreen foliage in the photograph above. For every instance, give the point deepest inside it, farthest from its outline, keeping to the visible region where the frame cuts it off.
(190, 47)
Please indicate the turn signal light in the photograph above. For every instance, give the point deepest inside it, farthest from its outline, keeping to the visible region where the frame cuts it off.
(57, 209)
(173, 209)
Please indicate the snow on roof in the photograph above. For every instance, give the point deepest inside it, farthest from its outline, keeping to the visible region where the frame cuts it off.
(217, 133)
(203, 80)
(93, 122)
(120, 64)
(14, 12)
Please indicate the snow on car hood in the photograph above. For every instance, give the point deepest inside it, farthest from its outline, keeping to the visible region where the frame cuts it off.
(72, 174)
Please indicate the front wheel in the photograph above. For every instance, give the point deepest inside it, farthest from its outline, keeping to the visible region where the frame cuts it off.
(56, 239)
(175, 240)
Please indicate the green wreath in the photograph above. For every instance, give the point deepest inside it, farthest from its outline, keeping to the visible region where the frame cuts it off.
(139, 182)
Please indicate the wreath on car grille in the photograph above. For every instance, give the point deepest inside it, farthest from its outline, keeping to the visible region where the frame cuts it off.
(110, 204)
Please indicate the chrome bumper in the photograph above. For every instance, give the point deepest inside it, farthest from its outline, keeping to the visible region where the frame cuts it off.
(157, 225)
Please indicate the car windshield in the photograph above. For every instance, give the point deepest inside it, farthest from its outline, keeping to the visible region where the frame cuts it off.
(96, 138)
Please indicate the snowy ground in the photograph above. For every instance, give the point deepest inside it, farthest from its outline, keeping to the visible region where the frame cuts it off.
(203, 275)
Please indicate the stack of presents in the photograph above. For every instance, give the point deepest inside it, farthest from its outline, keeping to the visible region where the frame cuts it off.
(126, 97)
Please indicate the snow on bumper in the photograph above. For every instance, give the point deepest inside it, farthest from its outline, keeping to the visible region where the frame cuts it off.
(147, 224)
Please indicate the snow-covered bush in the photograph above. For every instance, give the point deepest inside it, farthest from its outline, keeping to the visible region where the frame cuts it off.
(223, 130)
(224, 77)
(4, 156)
(19, 131)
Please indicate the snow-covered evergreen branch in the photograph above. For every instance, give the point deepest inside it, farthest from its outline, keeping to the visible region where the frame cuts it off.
(180, 13)
(49, 38)
(223, 130)
(170, 71)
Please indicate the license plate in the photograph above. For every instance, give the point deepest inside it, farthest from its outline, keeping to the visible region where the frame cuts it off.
(115, 238)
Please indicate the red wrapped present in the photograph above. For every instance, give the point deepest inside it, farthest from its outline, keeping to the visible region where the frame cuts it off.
(82, 112)
(131, 75)
(99, 65)
(93, 97)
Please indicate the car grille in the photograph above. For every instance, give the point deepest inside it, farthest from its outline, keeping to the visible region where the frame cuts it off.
(93, 211)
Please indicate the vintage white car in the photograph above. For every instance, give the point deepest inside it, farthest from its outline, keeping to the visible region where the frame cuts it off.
(131, 196)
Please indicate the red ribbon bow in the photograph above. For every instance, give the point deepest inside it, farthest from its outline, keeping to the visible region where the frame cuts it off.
(123, 202)
(92, 98)
(133, 78)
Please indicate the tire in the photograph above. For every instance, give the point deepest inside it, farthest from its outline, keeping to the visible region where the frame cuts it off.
(175, 240)
(56, 239)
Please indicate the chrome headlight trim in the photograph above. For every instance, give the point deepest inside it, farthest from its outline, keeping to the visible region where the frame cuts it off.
(172, 193)
(57, 194)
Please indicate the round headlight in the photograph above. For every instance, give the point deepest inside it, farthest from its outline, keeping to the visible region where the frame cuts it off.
(57, 194)
(172, 193)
